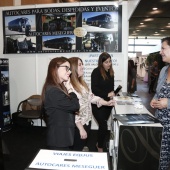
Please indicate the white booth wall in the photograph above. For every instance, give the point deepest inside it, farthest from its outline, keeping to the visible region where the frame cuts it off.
(27, 72)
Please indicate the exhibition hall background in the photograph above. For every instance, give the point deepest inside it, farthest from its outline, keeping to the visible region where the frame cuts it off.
(27, 72)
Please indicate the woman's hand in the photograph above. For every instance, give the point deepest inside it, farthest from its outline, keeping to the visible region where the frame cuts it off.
(83, 133)
(67, 84)
(161, 103)
(152, 103)
(77, 113)
(103, 102)
(111, 102)
(111, 94)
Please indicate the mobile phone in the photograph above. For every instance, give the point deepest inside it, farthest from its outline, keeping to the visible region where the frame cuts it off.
(118, 89)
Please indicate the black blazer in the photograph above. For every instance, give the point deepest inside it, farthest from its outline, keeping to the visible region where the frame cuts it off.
(60, 110)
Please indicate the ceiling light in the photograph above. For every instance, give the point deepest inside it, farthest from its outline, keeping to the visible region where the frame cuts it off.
(156, 32)
(149, 19)
(162, 30)
(141, 23)
(154, 8)
(165, 0)
(141, 26)
(155, 12)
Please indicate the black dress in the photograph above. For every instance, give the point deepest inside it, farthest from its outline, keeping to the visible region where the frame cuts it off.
(101, 88)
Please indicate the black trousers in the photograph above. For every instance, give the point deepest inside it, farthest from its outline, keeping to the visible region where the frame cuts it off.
(101, 115)
(78, 142)
(152, 83)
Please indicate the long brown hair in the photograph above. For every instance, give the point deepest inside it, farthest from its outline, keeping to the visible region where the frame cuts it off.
(102, 58)
(76, 81)
(52, 78)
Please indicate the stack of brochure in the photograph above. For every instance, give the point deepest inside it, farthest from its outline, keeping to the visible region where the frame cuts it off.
(136, 118)
(122, 100)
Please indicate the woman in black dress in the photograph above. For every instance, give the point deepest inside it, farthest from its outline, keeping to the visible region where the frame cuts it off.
(102, 85)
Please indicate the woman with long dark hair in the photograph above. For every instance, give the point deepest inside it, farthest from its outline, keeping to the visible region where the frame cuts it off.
(102, 85)
(61, 104)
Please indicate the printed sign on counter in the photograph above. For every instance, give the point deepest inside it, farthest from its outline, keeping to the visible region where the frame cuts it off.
(64, 160)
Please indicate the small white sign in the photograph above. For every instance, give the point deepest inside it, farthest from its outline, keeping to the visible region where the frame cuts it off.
(80, 32)
(64, 160)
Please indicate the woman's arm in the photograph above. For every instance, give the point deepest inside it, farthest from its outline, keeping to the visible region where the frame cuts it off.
(162, 102)
(83, 133)
(58, 99)
(161, 80)
(99, 101)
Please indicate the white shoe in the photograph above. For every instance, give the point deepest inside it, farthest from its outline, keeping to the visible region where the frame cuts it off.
(85, 149)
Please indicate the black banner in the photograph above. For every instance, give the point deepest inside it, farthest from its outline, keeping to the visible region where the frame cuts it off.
(63, 29)
(139, 147)
(5, 115)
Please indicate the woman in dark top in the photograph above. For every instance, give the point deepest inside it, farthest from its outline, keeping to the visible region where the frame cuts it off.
(60, 105)
(102, 85)
(131, 77)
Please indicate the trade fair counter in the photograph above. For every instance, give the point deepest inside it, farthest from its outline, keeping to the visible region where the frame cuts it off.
(135, 136)
(69, 160)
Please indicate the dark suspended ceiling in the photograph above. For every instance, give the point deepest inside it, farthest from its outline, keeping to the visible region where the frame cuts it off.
(156, 23)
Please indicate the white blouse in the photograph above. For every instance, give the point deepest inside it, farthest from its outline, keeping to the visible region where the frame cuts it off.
(85, 99)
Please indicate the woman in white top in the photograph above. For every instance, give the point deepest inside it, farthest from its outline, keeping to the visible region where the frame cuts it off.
(85, 96)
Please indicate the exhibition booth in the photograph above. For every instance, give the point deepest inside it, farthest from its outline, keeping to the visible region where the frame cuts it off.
(135, 135)
(29, 53)
(30, 48)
